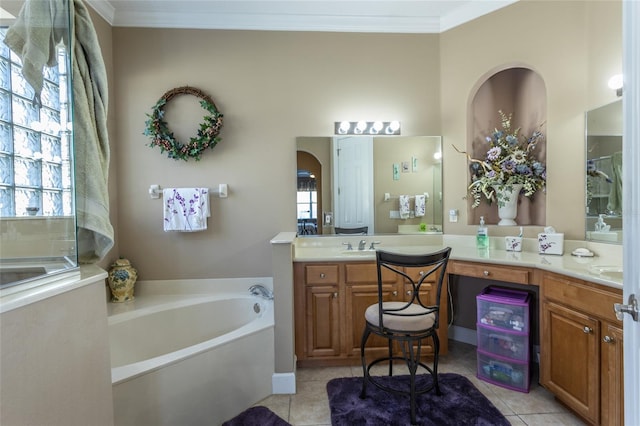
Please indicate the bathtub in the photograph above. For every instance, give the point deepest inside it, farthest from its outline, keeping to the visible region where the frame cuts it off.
(190, 352)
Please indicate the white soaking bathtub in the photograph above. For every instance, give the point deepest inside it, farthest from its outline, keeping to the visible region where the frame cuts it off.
(190, 352)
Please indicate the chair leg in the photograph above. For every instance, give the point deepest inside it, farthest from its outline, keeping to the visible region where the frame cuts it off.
(363, 342)
(436, 354)
(414, 358)
(390, 357)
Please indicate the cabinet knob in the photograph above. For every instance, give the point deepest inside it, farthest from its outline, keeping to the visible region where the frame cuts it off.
(587, 329)
(421, 273)
(335, 295)
(486, 273)
(322, 275)
(395, 293)
(409, 292)
(608, 339)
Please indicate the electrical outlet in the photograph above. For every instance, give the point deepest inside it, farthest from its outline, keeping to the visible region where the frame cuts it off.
(453, 215)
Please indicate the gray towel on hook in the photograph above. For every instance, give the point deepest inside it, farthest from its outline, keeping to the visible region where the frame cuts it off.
(33, 37)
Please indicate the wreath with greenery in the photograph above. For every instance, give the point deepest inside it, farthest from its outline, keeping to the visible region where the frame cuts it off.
(207, 137)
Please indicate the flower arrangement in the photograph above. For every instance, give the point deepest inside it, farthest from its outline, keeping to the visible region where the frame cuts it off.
(510, 160)
(207, 135)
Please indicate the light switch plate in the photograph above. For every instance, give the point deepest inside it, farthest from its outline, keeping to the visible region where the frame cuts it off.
(453, 215)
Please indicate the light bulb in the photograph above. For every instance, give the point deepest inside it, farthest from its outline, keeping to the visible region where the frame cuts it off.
(344, 127)
(615, 82)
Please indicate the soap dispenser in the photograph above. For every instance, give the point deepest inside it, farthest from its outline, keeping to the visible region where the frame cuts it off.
(482, 237)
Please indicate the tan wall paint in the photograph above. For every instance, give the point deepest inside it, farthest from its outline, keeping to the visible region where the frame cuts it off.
(536, 34)
(271, 87)
(274, 86)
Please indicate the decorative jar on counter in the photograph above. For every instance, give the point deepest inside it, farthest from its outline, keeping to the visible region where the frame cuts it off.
(122, 279)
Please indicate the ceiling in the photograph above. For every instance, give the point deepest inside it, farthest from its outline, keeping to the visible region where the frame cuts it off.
(382, 16)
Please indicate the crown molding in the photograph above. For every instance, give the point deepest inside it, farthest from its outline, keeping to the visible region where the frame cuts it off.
(384, 18)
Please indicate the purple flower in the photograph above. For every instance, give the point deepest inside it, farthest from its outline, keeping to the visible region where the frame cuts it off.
(508, 166)
(494, 153)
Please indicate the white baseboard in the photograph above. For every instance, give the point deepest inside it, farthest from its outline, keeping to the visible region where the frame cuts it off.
(283, 383)
(464, 335)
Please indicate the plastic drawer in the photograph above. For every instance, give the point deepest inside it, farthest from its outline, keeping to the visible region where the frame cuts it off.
(504, 308)
(503, 372)
(508, 344)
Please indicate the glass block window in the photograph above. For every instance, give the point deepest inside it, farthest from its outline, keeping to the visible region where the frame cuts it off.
(35, 141)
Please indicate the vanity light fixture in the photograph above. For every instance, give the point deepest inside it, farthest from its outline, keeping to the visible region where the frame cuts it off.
(367, 127)
(616, 83)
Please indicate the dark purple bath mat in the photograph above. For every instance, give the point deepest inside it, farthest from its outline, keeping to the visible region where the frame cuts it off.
(461, 403)
(256, 416)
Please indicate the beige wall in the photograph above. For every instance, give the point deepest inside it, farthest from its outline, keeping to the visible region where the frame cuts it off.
(274, 86)
(565, 53)
(271, 87)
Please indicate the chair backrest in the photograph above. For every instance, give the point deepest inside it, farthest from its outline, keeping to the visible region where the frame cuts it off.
(434, 265)
(352, 231)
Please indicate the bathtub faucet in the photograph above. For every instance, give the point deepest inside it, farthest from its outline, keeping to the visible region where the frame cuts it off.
(260, 290)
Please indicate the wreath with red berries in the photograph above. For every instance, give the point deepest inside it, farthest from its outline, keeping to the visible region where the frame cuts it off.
(207, 136)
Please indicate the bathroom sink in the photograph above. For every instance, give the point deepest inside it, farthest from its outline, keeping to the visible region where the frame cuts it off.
(356, 253)
(608, 271)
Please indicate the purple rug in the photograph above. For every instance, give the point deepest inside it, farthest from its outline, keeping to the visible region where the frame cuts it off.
(461, 403)
(256, 416)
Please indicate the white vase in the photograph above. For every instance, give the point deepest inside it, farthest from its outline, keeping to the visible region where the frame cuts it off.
(507, 196)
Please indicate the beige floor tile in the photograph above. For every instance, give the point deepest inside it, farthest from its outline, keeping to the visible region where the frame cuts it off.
(551, 419)
(310, 405)
(515, 421)
(279, 404)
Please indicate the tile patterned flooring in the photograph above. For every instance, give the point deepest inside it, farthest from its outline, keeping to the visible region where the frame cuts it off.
(310, 406)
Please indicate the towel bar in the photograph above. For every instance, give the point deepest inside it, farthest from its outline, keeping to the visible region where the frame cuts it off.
(388, 196)
(155, 191)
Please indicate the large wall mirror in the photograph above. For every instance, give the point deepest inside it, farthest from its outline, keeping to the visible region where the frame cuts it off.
(604, 173)
(375, 184)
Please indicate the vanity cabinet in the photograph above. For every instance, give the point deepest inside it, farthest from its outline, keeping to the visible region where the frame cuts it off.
(321, 296)
(330, 300)
(582, 347)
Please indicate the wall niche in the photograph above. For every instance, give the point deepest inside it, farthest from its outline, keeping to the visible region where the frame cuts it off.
(521, 92)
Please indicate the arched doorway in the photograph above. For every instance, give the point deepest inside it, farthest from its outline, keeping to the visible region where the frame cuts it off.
(309, 195)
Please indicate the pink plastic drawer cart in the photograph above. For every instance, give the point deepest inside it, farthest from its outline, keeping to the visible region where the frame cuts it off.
(504, 348)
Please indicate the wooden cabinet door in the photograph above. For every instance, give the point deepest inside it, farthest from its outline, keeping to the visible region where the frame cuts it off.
(612, 383)
(322, 321)
(570, 358)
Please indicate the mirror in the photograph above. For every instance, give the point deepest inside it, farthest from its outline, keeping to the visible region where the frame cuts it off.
(604, 173)
(399, 165)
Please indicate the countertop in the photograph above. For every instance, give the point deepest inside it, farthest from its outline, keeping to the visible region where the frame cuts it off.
(602, 269)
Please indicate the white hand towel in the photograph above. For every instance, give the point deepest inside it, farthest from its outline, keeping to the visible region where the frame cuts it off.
(185, 209)
(421, 202)
(404, 206)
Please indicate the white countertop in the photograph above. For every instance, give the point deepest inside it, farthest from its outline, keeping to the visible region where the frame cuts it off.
(607, 256)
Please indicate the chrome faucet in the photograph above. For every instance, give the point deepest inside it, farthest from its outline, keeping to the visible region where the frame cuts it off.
(361, 244)
(262, 291)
